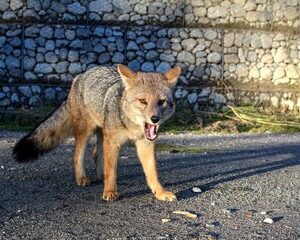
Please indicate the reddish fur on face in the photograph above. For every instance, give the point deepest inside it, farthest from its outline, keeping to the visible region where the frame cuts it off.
(172, 75)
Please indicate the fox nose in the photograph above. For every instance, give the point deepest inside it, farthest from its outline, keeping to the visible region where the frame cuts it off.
(155, 119)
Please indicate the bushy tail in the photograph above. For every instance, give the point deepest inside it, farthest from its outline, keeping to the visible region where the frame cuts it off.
(46, 136)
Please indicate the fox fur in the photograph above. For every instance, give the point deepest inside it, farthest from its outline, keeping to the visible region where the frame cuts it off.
(117, 105)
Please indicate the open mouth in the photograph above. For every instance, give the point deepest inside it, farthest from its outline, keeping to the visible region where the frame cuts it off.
(151, 131)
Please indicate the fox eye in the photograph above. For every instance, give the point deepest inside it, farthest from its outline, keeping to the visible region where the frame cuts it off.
(161, 101)
(143, 101)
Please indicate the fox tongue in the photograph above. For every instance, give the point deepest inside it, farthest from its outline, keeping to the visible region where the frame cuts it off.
(150, 131)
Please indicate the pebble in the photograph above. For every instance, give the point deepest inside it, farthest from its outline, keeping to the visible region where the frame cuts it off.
(164, 220)
(186, 213)
(209, 225)
(197, 190)
(227, 211)
(268, 220)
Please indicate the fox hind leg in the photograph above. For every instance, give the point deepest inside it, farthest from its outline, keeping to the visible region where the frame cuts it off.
(97, 155)
(81, 140)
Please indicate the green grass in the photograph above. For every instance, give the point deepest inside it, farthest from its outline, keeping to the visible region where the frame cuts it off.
(181, 149)
(259, 121)
(23, 119)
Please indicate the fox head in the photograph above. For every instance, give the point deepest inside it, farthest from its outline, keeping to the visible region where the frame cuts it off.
(148, 98)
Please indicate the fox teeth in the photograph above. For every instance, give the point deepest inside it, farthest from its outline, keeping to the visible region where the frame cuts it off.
(150, 131)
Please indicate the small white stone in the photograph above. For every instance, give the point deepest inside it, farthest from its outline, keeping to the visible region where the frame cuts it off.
(197, 190)
(209, 225)
(2, 167)
(227, 211)
(268, 220)
(263, 212)
(186, 213)
(164, 220)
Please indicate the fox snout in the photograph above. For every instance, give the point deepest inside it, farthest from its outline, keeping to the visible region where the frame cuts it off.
(155, 119)
(153, 114)
(152, 122)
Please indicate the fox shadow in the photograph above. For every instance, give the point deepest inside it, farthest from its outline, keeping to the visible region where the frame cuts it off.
(210, 170)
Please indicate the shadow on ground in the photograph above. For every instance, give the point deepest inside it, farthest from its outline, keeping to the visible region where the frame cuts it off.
(50, 182)
(221, 167)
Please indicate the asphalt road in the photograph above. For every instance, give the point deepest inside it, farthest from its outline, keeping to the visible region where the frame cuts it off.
(244, 179)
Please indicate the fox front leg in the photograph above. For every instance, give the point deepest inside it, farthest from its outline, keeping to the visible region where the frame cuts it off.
(146, 153)
(110, 156)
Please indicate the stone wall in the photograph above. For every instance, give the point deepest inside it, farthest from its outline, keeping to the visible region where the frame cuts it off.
(262, 14)
(239, 49)
(80, 11)
(268, 14)
(271, 58)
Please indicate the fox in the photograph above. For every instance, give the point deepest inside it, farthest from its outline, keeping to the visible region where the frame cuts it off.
(117, 105)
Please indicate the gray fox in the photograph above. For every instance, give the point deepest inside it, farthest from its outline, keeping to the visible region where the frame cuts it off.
(117, 105)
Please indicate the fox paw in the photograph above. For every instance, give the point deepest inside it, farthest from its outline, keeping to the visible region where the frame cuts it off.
(110, 196)
(83, 181)
(165, 196)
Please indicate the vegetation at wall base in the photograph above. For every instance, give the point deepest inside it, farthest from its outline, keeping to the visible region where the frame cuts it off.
(238, 119)
(228, 120)
(23, 119)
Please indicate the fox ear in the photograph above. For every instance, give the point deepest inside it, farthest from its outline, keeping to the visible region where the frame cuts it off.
(172, 75)
(128, 76)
